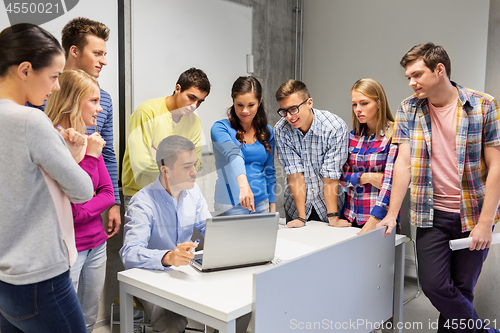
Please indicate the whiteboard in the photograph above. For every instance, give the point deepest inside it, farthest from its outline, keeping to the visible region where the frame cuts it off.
(102, 11)
(170, 36)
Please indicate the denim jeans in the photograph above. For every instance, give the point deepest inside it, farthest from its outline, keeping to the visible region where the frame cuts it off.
(88, 274)
(448, 277)
(226, 210)
(49, 306)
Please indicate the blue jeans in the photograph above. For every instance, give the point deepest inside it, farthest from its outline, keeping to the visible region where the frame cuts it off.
(226, 210)
(49, 306)
(88, 274)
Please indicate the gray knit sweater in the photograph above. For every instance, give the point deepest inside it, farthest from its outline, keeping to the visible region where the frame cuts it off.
(31, 245)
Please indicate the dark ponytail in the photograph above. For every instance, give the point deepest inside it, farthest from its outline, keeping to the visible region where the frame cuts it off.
(27, 42)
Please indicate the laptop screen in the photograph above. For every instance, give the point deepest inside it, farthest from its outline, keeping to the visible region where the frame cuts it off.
(239, 240)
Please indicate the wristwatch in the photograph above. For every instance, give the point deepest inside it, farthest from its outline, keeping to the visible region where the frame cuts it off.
(336, 214)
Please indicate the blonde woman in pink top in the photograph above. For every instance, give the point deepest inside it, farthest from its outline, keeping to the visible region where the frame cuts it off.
(76, 106)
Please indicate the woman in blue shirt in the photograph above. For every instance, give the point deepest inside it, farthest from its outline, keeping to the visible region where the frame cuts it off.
(244, 154)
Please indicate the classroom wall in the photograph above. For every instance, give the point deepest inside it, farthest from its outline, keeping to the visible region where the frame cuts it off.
(348, 40)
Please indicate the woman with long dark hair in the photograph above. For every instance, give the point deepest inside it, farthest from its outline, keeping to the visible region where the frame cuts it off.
(244, 154)
(39, 176)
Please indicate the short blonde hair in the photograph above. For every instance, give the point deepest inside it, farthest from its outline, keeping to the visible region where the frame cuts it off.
(67, 102)
(373, 89)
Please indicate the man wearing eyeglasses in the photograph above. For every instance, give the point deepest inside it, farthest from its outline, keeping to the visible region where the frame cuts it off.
(312, 147)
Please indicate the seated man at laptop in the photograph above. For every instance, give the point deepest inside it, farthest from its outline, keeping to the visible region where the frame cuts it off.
(160, 219)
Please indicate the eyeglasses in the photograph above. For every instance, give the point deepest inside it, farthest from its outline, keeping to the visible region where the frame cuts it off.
(291, 110)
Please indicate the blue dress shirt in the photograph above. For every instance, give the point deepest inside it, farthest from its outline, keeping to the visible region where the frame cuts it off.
(156, 223)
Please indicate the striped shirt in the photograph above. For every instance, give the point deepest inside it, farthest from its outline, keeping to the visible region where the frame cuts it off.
(368, 154)
(105, 128)
(320, 153)
(478, 126)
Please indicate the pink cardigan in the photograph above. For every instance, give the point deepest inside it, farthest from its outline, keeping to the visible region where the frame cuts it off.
(89, 228)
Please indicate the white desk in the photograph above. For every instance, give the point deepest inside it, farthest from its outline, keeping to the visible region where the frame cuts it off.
(317, 235)
(347, 286)
(218, 298)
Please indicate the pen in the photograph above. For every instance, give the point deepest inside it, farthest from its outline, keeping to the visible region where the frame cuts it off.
(59, 127)
(194, 247)
(62, 129)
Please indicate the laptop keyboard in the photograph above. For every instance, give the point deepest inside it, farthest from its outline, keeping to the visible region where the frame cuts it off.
(275, 261)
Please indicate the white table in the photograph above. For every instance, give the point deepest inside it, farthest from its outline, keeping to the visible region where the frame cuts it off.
(342, 282)
(217, 299)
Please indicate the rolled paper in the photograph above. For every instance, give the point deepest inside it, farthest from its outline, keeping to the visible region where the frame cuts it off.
(464, 243)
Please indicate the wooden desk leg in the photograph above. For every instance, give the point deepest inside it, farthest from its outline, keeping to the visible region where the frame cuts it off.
(399, 283)
(230, 328)
(126, 311)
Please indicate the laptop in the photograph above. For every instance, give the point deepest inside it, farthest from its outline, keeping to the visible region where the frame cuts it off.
(237, 241)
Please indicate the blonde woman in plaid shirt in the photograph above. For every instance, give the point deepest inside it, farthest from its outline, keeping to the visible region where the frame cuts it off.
(454, 189)
(367, 175)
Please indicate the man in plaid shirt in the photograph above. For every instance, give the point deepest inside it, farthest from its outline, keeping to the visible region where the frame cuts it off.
(312, 147)
(453, 176)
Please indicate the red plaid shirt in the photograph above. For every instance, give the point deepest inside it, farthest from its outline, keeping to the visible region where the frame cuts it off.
(368, 154)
